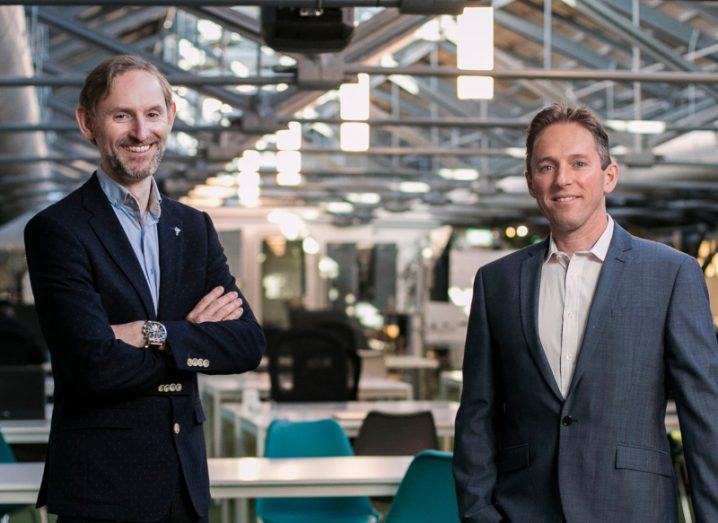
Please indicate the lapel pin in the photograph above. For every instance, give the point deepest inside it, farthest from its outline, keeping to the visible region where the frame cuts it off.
(177, 231)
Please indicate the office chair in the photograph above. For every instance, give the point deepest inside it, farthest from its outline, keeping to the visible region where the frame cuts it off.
(386, 434)
(311, 365)
(426, 493)
(321, 438)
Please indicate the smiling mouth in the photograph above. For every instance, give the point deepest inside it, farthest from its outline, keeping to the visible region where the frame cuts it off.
(562, 199)
(137, 148)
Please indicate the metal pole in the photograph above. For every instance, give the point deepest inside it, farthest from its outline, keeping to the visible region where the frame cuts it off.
(76, 80)
(543, 74)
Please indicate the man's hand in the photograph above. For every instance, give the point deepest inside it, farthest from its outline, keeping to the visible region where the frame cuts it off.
(131, 333)
(217, 307)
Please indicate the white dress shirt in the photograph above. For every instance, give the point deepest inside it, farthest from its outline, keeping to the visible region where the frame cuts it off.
(566, 292)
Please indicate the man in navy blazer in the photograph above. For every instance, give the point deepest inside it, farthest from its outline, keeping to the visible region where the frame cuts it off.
(573, 345)
(135, 298)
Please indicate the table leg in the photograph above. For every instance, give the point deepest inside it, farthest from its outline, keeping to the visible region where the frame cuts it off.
(216, 426)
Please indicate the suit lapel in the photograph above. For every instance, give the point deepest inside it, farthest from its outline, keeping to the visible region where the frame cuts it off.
(529, 291)
(170, 235)
(609, 281)
(112, 236)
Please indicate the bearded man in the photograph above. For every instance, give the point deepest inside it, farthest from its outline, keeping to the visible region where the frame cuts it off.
(135, 298)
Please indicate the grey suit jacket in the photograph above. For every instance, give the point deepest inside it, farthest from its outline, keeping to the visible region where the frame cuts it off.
(523, 453)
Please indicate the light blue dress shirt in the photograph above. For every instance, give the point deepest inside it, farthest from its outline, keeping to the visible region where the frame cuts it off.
(141, 230)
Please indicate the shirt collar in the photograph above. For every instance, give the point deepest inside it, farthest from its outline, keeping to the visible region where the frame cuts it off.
(119, 196)
(599, 249)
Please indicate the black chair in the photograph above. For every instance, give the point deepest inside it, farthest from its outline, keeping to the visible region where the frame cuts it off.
(22, 392)
(312, 365)
(384, 434)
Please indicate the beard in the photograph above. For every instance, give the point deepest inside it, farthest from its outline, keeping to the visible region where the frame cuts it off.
(125, 172)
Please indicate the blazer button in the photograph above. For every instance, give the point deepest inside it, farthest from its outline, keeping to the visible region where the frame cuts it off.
(566, 421)
(176, 428)
(189, 362)
(160, 388)
(179, 387)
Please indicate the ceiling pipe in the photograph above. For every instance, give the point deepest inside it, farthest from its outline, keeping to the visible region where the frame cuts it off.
(21, 105)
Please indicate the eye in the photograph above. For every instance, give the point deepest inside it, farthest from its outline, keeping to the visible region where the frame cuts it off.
(545, 168)
(580, 163)
(154, 115)
(121, 117)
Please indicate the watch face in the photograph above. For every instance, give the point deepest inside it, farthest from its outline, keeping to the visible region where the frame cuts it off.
(155, 331)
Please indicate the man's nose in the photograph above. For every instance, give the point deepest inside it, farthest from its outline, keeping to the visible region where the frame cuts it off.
(563, 175)
(140, 129)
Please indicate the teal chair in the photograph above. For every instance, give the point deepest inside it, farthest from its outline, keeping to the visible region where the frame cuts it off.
(7, 456)
(312, 439)
(426, 493)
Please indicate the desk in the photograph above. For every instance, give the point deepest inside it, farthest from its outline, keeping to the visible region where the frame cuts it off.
(450, 380)
(16, 431)
(257, 477)
(256, 419)
(219, 389)
(418, 364)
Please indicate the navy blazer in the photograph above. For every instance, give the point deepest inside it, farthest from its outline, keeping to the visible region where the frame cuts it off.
(524, 453)
(126, 420)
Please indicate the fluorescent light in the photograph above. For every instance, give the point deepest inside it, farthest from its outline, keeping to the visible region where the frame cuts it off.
(516, 152)
(475, 46)
(249, 162)
(459, 174)
(289, 179)
(366, 198)
(202, 202)
(354, 136)
(310, 245)
(339, 207)
(224, 180)
(212, 191)
(209, 31)
(354, 99)
(480, 237)
(290, 139)
(474, 87)
(414, 187)
(289, 161)
(637, 126)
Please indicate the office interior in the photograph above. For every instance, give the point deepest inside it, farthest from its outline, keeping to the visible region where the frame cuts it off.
(360, 161)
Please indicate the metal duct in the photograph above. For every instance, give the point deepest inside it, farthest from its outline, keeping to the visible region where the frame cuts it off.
(21, 105)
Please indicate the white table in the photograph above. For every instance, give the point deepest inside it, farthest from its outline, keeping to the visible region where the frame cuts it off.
(256, 419)
(17, 431)
(236, 478)
(450, 380)
(420, 365)
(220, 389)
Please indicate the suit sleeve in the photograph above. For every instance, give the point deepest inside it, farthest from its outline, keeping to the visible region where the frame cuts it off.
(74, 322)
(692, 365)
(226, 347)
(477, 420)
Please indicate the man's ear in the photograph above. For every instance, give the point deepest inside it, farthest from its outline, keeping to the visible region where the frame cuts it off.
(529, 183)
(171, 113)
(610, 179)
(85, 123)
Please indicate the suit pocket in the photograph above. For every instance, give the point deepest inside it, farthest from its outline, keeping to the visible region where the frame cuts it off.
(644, 460)
(514, 458)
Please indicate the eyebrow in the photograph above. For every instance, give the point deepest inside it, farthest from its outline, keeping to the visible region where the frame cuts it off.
(129, 110)
(571, 157)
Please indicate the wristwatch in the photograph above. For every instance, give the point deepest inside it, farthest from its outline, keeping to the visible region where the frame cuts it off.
(155, 335)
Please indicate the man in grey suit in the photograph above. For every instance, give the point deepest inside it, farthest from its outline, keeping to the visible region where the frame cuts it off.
(572, 346)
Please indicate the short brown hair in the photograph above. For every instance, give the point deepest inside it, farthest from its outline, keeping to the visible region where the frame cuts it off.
(562, 113)
(98, 82)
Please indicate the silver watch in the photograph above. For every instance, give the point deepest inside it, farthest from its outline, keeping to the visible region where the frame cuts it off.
(155, 335)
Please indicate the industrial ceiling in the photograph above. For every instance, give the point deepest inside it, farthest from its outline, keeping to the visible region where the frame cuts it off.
(648, 62)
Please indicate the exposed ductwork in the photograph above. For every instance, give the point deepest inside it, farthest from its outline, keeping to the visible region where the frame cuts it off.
(26, 186)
